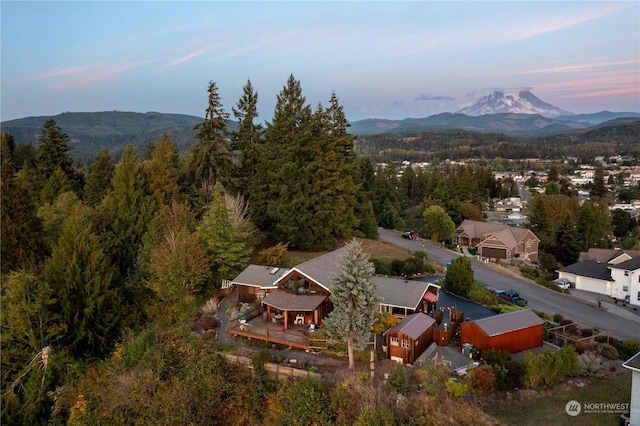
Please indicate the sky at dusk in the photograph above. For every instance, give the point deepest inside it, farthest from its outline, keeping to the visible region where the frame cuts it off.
(382, 59)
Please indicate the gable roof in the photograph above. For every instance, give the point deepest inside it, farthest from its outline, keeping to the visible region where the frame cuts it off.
(608, 255)
(413, 325)
(590, 269)
(322, 269)
(260, 276)
(511, 321)
(629, 265)
(633, 363)
(509, 235)
(400, 293)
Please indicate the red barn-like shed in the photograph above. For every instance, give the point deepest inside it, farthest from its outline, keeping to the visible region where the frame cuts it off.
(511, 332)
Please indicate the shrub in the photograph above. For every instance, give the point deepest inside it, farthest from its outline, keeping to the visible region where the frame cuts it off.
(375, 415)
(571, 327)
(628, 348)
(483, 379)
(383, 266)
(261, 358)
(608, 351)
(384, 322)
(586, 332)
(398, 379)
(456, 388)
(557, 318)
(549, 368)
(480, 294)
(508, 372)
(608, 339)
(590, 363)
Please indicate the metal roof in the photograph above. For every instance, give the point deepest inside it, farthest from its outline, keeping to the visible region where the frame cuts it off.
(413, 325)
(400, 293)
(260, 276)
(511, 321)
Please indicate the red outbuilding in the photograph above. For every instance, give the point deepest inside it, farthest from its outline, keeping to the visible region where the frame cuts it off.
(511, 332)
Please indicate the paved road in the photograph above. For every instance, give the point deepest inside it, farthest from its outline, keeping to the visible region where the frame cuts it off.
(620, 322)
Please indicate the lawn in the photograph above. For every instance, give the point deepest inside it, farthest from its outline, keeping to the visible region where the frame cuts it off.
(551, 410)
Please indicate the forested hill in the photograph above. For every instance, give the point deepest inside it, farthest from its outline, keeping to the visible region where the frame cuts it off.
(618, 137)
(113, 130)
(91, 131)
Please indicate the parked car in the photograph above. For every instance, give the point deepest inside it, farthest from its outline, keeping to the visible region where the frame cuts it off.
(563, 283)
(510, 296)
(410, 235)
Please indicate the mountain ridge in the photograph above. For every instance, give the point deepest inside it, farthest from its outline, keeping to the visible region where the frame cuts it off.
(520, 102)
(113, 130)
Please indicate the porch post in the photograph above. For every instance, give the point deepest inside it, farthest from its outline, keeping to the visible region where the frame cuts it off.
(286, 319)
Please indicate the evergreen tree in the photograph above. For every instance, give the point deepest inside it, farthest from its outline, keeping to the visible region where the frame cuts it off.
(354, 301)
(98, 181)
(599, 190)
(459, 277)
(55, 215)
(163, 171)
(210, 160)
(248, 137)
(594, 224)
(53, 151)
(57, 184)
(83, 280)
(21, 233)
(227, 242)
(126, 211)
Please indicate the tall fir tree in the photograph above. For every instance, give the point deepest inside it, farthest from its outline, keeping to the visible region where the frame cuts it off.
(21, 232)
(98, 180)
(126, 211)
(354, 300)
(53, 153)
(210, 159)
(163, 171)
(84, 282)
(247, 138)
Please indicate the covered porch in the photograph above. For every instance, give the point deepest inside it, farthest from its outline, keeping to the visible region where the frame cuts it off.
(260, 328)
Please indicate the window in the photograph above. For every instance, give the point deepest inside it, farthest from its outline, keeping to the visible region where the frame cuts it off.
(394, 341)
(405, 343)
(625, 288)
(639, 295)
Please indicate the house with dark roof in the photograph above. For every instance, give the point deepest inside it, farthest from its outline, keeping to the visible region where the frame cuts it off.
(633, 364)
(302, 295)
(511, 332)
(409, 339)
(614, 273)
(498, 241)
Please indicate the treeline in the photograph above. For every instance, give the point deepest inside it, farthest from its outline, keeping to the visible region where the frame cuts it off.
(438, 146)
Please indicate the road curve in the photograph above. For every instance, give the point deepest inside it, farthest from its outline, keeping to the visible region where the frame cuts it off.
(540, 298)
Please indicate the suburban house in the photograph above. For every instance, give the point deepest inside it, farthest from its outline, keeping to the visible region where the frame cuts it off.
(633, 364)
(498, 241)
(408, 340)
(301, 296)
(610, 272)
(511, 332)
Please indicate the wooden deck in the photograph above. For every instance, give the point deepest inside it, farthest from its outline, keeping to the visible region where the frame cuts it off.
(296, 336)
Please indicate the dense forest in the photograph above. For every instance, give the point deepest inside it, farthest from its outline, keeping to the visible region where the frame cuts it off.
(105, 267)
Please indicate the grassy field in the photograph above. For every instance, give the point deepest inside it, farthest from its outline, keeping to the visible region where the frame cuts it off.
(375, 248)
(551, 410)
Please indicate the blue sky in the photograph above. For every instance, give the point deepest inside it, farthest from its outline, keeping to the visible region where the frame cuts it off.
(383, 59)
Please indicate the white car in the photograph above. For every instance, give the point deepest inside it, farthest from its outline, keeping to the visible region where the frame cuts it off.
(563, 283)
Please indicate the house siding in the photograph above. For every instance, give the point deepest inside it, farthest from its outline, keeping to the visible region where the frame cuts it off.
(634, 418)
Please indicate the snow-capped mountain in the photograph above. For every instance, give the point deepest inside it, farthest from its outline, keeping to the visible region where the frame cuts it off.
(523, 102)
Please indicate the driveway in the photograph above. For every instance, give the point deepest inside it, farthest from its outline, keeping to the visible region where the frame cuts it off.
(620, 324)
